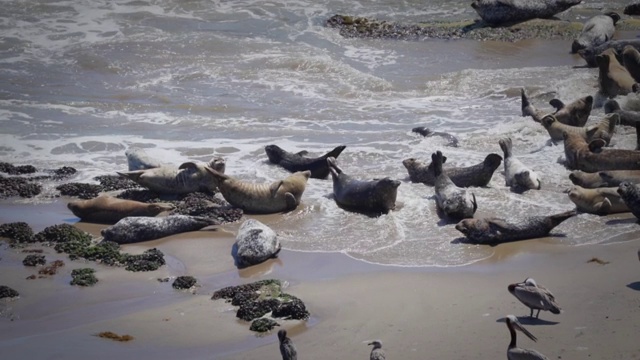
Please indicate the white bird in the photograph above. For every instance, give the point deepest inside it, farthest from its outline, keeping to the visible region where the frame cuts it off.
(535, 296)
(513, 351)
(287, 349)
(377, 353)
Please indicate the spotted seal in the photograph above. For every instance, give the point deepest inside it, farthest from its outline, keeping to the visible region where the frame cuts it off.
(628, 118)
(505, 12)
(475, 175)
(630, 194)
(516, 174)
(596, 31)
(613, 78)
(187, 178)
(109, 210)
(137, 159)
(269, 198)
(589, 54)
(592, 157)
(603, 130)
(142, 228)
(493, 231)
(454, 202)
(299, 162)
(575, 114)
(255, 243)
(374, 196)
(631, 61)
(426, 132)
(599, 201)
(616, 177)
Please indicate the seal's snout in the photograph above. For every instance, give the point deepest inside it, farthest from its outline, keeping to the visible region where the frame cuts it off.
(462, 227)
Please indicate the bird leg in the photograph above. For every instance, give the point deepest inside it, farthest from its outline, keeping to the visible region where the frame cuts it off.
(531, 314)
(538, 314)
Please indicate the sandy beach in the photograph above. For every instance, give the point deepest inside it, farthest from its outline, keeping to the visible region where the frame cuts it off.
(418, 313)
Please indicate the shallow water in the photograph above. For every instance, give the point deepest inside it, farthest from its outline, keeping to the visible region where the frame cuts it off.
(84, 80)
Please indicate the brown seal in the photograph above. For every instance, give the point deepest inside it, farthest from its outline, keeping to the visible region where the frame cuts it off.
(599, 201)
(631, 61)
(592, 157)
(586, 179)
(109, 210)
(616, 177)
(476, 175)
(575, 114)
(603, 130)
(278, 196)
(613, 78)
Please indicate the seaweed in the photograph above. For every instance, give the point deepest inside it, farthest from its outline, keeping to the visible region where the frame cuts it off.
(83, 277)
(263, 325)
(34, 260)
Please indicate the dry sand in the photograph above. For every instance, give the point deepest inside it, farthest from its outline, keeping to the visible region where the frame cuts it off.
(418, 313)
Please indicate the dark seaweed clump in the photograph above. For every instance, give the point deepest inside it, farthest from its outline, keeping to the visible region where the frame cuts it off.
(16, 170)
(63, 172)
(34, 260)
(150, 260)
(62, 233)
(7, 292)
(263, 325)
(80, 190)
(17, 186)
(184, 282)
(17, 232)
(230, 292)
(114, 182)
(83, 277)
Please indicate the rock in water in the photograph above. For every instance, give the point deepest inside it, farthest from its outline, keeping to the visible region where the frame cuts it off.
(255, 243)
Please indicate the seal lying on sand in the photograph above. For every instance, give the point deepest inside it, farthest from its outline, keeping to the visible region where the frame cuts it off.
(454, 202)
(596, 31)
(592, 157)
(589, 54)
(138, 159)
(631, 61)
(515, 173)
(299, 162)
(137, 229)
(613, 78)
(278, 196)
(496, 231)
(453, 141)
(599, 201)
(630, 194)
(375, 196)
(255, 243)
(603, 130)
(628, 118)
(476, 175)
(109, 210)
(574, 114)
(189, 177)
(503, 12)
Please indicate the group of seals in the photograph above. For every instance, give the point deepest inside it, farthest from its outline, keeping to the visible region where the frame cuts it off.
(596, 31)
(454, 202)
(575, 114)
(300, 162)
(504, 12)
(516, 174)
(613, 78)
(109, 210)
(628, 118)
(476, 175)
(136, 229)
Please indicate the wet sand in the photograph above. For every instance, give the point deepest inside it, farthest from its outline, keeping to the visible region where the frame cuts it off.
(418, 313)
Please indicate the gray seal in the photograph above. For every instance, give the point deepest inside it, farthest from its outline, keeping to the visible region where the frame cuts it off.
(613, 78)
(426, 132)
(136, 229)
(187, 178)
(630, 194)
(589, 54)
(300, 162)
(494, 231)
(506, 12)
(454, 202)
(596, 31)
(592, 157)
(109, 210)
(255, 243)
(476, 175)
(269, 198)
(631, 61)
(137, 159)
(627, 117)
(575, 114)
(599, 201)
(516, 174)
(374, 196)
(603, 130)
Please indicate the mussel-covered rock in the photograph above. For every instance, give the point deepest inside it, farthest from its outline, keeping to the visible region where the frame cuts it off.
(80, 190)
(62, 233)
(183, 282)
(263, 325)
(18, 232)
(34, 260)
(17, 186)
(83, 277)
(7, 292)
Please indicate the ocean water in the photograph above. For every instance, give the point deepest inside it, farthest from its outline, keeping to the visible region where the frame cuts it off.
(82, 81)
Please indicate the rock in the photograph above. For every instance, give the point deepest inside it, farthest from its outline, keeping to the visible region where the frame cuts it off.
(115, 182)
(263, 325)
(183, 282)
(231, 291)
(83, 277)
(17, 186)
(19, 232)
(16, 170)
(62, 233)
(293, 309)
(255, 309)
(34, 260)
(7, 292)
(150, 260)
(255, 243)
(632, 9)
(80, 190)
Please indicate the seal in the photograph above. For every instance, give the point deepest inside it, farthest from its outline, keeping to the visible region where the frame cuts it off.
(454, 202)
(589, 54)
(137, 159)
(426, 132)
(632, 9)
(516, 174)
(631, 61)
(574, 114)
(592, 157)
(596, 31)
(476, 175)
(493, 231)
(616, 177)
(299, 162)
(187, 178)
(142, 228)
(628, 118)
(599, 201)
(587, 180)
(630, 194)
(278, 196)
(373, 197)
(109, 210)
(613, 78)
(505, 12)
(603, 130)
(255, 243)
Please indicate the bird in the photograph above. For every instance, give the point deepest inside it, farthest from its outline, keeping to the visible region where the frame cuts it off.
(287, 349)
(376, 353)
(535, 296)
(513, 351)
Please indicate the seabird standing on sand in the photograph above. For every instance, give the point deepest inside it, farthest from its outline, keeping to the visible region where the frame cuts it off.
(376, 353)
(535, 296)
(287, 349)
(513, 351)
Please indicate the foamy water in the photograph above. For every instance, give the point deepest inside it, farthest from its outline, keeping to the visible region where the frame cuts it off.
(84, 80)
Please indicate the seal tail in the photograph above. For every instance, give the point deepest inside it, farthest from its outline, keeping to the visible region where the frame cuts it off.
(559, 218)
(335, 152)
(526, 105)
(437, 160)
(333, 167)
(506, 145)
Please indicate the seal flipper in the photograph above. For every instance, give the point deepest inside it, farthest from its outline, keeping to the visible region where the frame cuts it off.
(474, 202)
(335, 152)
(132, 175)
(437, 160)
(273, 188)
(291, 201)
(557, 104)
(217, 175)
(302, 153)
(604, 207)
(558, 218)
(506, 145)
(188, 165)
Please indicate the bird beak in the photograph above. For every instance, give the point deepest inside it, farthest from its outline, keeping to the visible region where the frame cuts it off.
(525, 331)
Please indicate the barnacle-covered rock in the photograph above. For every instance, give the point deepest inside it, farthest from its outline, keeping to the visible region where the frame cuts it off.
(231, 291)
(16, 170)
(83, 277)
(263, 325)
(255, 309)
(80, 190)
(293, 309)
(150, 260)
(52, 268)
(19, 232)
(62, 233)
(34, 260)
(183, 282)
(114, 182)
(7, 292)
(18, 186)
